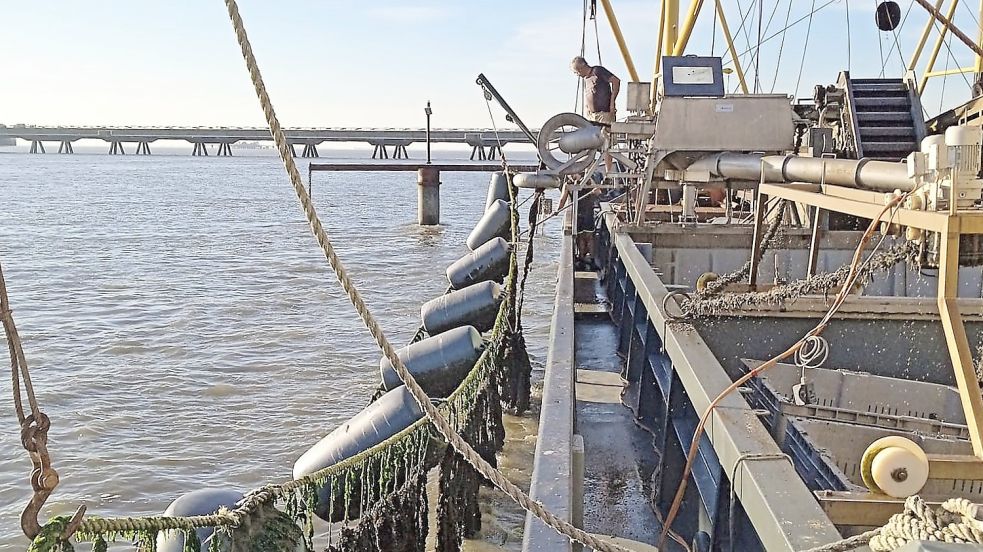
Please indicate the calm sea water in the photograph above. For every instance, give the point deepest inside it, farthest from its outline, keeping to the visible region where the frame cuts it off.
(184, 330)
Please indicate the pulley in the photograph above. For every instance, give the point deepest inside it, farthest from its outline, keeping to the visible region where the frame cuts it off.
(894, 466)
(567, 144)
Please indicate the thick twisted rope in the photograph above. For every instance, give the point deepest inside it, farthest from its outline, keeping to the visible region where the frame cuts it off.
(431, 412)
(955, 521)
(254, 500)
(18, 362)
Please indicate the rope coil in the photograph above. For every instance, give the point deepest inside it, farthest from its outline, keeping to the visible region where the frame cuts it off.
(813, 352)
(955, 521)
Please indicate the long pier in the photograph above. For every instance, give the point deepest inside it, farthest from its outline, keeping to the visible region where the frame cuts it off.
(428, 179)
(389, 143)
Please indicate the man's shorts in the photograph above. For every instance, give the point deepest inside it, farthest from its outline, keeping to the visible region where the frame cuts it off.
(603, 117)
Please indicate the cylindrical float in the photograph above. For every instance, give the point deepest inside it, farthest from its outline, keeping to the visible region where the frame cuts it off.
(439, 363)
(202, 502)
(490, 261)
(581, 139)
(392, 413)
(498, 188)
(476, 305)
(495, 223)
(536, 180)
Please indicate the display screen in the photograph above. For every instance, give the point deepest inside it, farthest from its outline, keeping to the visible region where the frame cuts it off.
(692, 75)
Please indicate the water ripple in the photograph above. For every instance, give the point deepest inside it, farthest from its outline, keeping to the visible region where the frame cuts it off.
(183, 328)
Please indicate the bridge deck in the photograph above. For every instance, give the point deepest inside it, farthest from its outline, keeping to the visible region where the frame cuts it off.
(390, 167)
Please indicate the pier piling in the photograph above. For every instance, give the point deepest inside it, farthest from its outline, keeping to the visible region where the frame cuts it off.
(428, 199)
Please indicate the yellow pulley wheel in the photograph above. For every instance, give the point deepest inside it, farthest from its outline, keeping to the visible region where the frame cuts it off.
(705, 279)
(894, 466)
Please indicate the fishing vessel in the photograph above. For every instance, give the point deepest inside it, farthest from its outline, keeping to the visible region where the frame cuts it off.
(798, 359)
(769, 343)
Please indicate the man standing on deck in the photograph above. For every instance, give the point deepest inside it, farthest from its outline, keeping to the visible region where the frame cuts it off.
(601, 89)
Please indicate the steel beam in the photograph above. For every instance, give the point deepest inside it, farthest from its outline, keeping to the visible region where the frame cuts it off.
(851, 202)
(956, 340)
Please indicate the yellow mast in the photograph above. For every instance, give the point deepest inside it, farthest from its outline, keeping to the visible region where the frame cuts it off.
(979, 41)
(653, 89)
(616, 30)
(670, 26)
(691, 16)
(924, 38)
(938, 46)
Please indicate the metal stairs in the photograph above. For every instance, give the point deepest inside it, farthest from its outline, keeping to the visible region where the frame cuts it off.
(884, 117)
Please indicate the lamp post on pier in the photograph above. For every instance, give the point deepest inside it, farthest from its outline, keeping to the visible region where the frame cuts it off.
(429, 112)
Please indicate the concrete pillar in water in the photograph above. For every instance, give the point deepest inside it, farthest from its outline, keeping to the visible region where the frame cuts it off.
(428, 199)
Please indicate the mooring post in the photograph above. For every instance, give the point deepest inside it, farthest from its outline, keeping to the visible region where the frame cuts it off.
(428, 199)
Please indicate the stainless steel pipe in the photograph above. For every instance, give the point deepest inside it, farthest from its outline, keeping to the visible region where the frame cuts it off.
(884, 176)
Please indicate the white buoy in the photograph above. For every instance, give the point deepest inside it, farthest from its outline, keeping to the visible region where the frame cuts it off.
(490, 261)
(439, 363)
(536, 180)
(202, 502)
(392, 413)
(581, 140)
(476, 305)
(495, 223)
(498, 188)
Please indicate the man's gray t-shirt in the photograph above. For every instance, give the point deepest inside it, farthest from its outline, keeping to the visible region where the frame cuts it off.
(597, 89)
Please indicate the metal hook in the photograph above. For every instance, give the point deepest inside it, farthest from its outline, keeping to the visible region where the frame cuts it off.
(44, 478)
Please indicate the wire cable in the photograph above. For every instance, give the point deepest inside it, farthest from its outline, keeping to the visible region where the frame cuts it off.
(757, 51)
(805, 48)
(849, 46)
(781, 47)
(951, 56)
(880, 46)
(897, 40)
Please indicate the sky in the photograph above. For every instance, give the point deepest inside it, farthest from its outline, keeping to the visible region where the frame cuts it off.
(376, 64)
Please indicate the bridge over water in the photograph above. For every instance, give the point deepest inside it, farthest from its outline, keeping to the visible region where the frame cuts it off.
(485, 143)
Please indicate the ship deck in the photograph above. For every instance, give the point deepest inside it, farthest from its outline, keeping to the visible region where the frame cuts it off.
(624, 389)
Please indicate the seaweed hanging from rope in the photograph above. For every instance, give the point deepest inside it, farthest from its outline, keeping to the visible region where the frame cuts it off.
(515, 374)
(458, 513)
(717, 285)
(398, 522)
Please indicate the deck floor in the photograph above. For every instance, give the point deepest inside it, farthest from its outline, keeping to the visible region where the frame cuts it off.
(618, 455)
